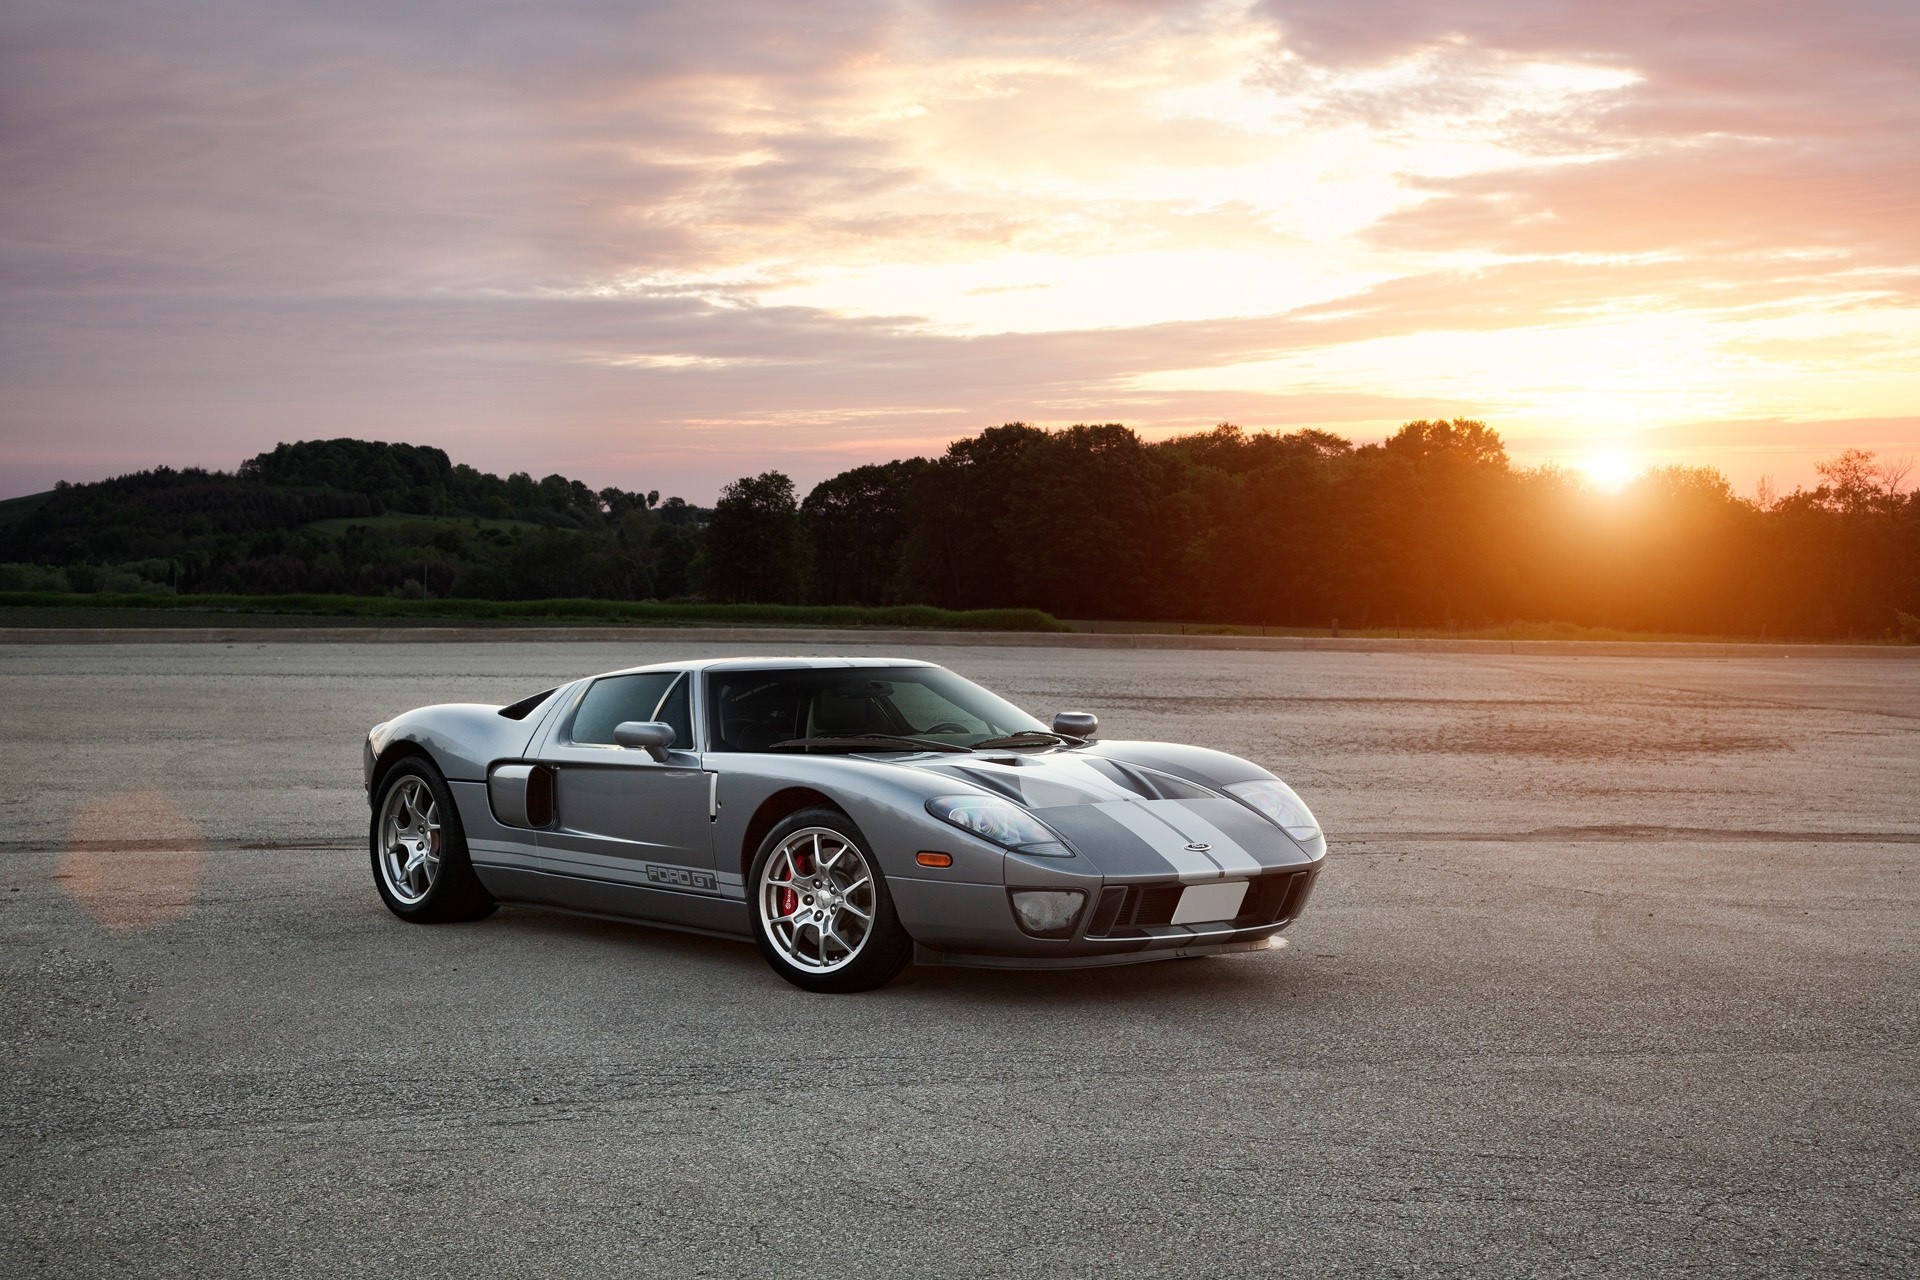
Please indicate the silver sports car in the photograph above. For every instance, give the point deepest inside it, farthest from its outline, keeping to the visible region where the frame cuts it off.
(848, 814)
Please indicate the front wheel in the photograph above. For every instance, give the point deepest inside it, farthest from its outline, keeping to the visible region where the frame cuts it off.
(822, 915)
(419, 851)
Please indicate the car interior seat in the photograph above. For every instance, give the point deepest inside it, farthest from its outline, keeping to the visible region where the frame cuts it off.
(750, 735)
(837, 712)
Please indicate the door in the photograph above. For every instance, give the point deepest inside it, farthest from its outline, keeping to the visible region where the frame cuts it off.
(620, 816)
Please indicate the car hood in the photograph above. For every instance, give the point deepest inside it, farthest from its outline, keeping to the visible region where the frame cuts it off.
(1130, 821)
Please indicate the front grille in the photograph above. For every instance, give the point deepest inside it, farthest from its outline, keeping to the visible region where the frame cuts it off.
(1127, 909)
(1277, 898)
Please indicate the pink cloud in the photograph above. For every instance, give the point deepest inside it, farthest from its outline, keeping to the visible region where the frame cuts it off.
(228, 225)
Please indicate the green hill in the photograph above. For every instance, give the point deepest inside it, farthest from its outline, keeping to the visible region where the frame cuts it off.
(352, 517)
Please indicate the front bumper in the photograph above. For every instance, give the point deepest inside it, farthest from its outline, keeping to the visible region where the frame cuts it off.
(1123, 921)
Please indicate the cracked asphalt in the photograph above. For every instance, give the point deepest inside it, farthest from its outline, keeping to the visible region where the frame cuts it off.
(1613, 971)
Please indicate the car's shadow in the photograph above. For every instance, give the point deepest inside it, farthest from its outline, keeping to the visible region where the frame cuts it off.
(702, 961)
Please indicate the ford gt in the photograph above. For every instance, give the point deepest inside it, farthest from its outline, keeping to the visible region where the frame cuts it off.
(849, 815)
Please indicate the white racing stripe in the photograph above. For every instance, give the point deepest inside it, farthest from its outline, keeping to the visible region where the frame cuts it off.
(1190, 865)
(1226, 851)
(1058, 782)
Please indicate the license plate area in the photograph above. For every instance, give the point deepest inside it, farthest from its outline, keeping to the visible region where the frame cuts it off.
(1210, 903)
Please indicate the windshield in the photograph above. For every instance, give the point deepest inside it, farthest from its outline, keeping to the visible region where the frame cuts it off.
(753, 710)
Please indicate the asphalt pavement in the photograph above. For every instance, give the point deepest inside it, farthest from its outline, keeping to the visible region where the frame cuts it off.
(1614, 970)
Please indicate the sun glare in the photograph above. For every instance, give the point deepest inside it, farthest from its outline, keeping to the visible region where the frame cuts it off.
(1610, 472)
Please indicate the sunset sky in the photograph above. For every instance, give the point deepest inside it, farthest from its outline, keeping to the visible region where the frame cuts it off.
(664, 245)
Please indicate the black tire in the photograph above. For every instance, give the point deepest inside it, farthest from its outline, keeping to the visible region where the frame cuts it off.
(454, 892)
(883, 951)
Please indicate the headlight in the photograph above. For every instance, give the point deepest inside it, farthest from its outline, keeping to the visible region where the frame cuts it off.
(1280, 804)
(1048, 913)
(1001, 821)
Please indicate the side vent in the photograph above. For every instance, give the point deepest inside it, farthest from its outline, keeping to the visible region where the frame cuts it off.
(521, 795)
(527, 706)
(540, 797)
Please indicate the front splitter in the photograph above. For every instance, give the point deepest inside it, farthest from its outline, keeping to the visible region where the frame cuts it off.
(928, 956)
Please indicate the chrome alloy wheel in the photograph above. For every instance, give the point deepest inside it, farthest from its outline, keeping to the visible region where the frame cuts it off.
(817, 900)
(409, 835)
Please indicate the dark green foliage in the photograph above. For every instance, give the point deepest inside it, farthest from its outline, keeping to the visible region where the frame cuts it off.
(1432, 527)
(359, 517)
(645, 612)
(1087, 519)
(399, 477)
(754, 550)
(1089, 525)
(855, 525)
(955, 552)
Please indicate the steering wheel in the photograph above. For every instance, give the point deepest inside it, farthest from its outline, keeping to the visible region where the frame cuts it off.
(947, 726)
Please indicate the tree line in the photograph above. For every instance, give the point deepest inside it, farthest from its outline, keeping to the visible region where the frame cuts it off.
(353, 517)
(1433, 527)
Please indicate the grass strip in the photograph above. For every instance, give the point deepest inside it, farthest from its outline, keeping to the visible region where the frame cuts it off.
(1518, 630)
(214, 610)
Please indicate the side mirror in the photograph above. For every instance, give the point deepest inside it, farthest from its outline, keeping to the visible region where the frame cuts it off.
(1076, 724)
(650, 736)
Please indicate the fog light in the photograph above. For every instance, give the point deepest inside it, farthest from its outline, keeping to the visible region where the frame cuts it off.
(1048, 913)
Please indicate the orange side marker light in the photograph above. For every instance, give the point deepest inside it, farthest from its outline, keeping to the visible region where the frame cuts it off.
(928, 858)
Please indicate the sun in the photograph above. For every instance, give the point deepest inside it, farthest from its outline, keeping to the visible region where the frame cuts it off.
(1610, 472)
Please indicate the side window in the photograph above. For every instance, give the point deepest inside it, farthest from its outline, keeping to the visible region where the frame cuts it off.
(753, 711)
(615, 700)
(677, 711)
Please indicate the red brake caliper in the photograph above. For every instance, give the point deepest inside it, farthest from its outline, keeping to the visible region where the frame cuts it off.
(789, 899)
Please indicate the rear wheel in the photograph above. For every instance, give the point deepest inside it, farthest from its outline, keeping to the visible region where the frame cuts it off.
(822, 915)
(419, 851)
